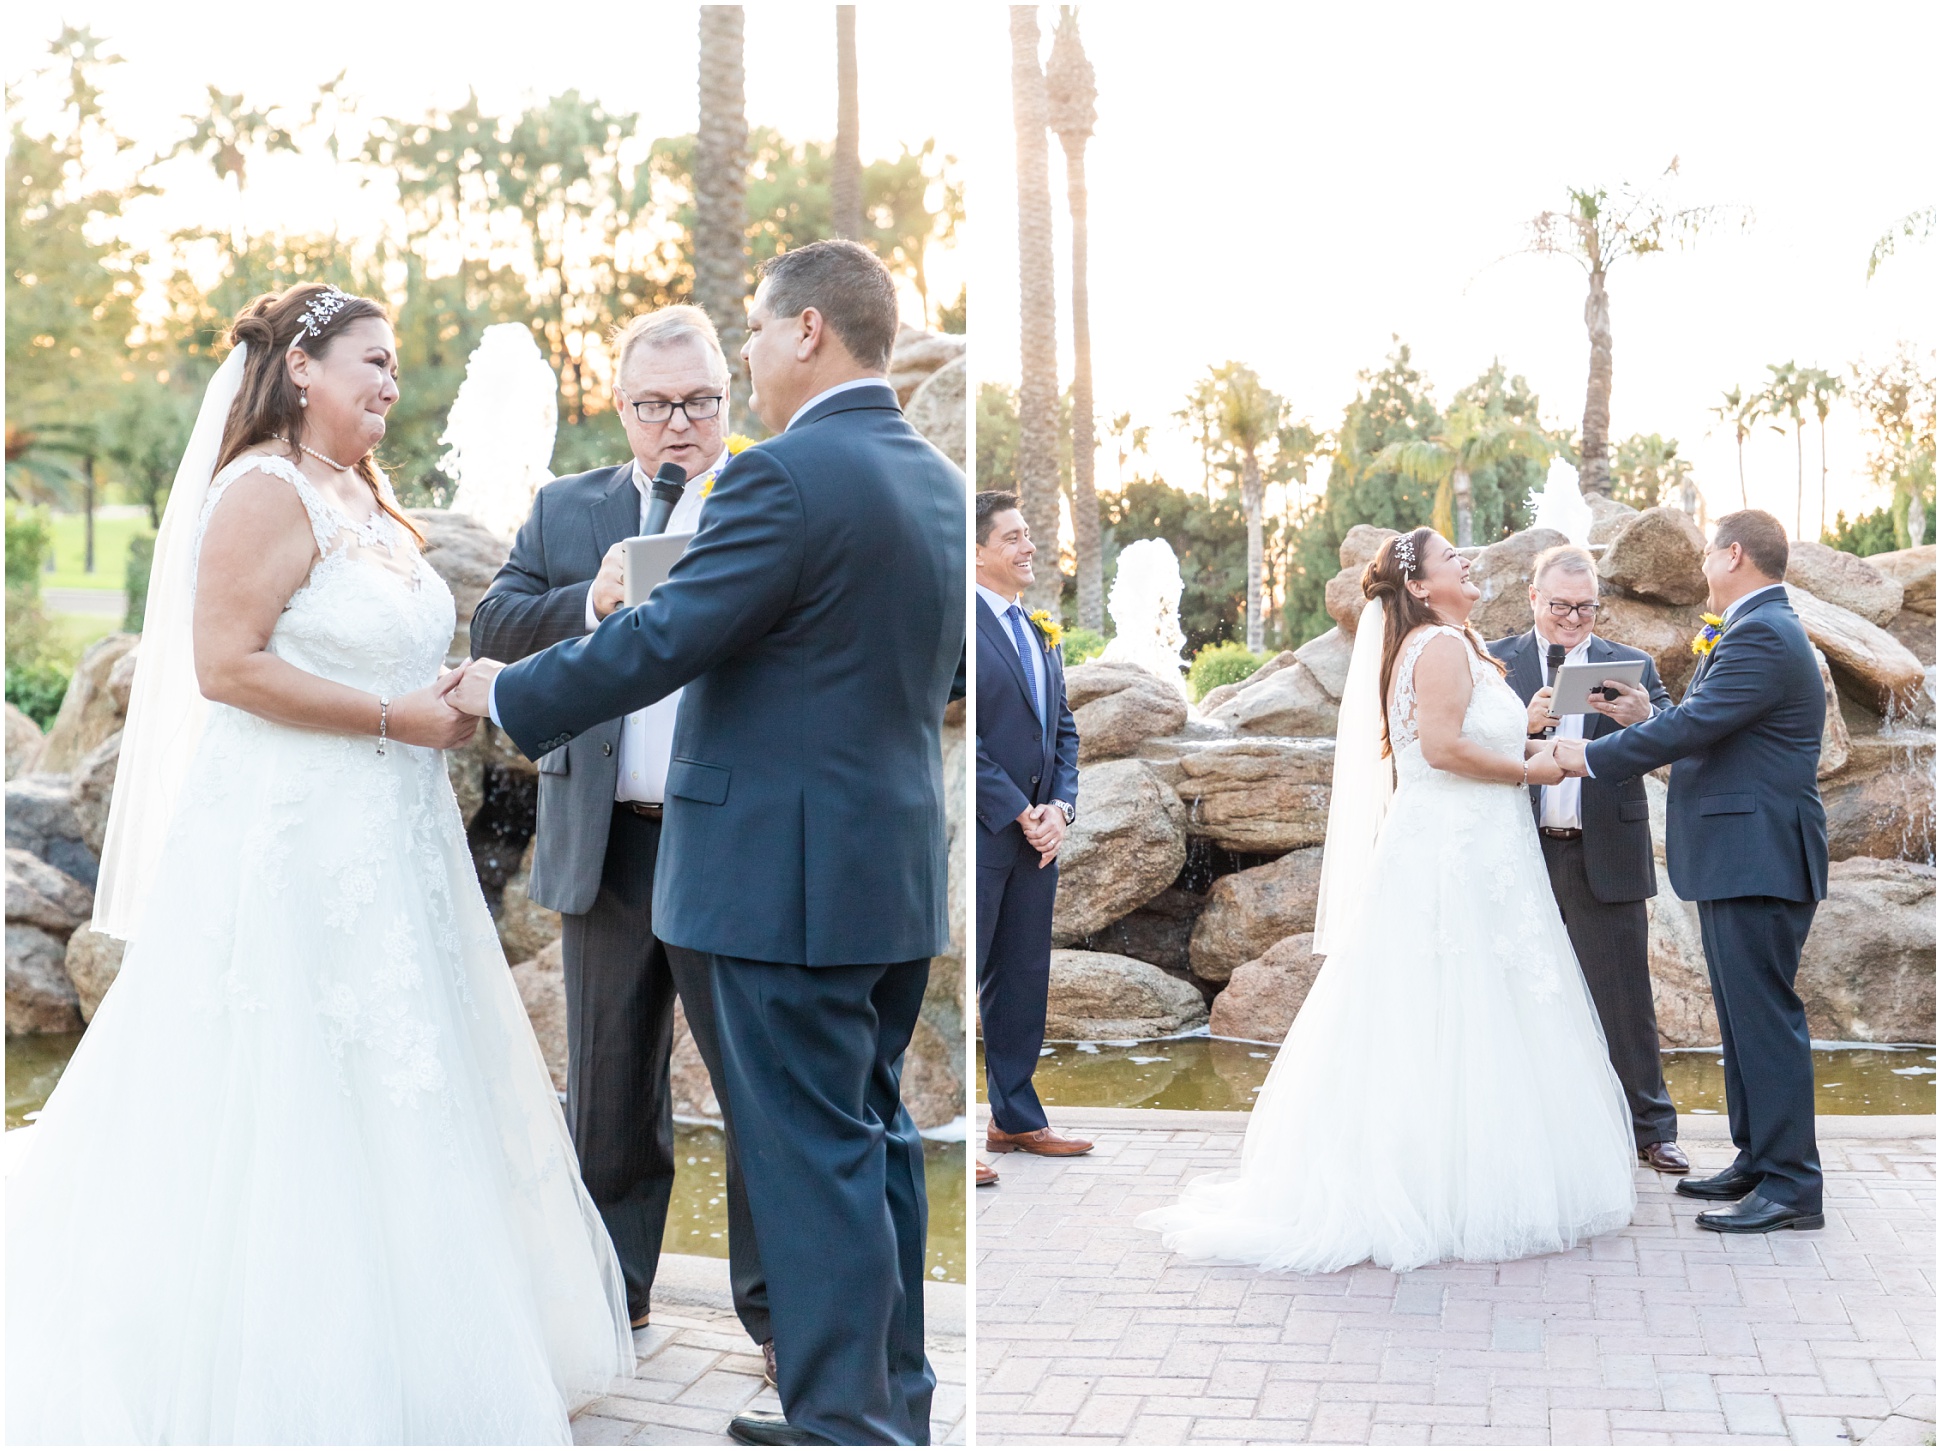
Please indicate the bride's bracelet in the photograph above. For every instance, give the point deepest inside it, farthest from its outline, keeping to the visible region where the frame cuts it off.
(384, 722)
(1526, 772)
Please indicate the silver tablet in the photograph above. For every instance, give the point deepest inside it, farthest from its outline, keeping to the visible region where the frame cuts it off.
(648, 559)
(1575, 683)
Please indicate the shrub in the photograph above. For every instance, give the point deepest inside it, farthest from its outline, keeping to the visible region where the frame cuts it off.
(29, 542)
(37, 690)
(1081, 644)
(1227, 663)
(141, 557)
(1867, 534)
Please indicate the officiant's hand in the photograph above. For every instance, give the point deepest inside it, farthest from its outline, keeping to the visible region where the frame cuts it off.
(1570, 757)
(1540, 717)
(1632, 705)
(469, 688)
(610, 584)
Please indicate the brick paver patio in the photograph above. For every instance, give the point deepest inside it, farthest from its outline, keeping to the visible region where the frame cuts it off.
(695, 1369)
(1662, 1333)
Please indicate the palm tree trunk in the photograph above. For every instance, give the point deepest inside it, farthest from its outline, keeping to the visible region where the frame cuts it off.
(1465, 510)
(1086, 540)
(1744, 501)
(87, 512)
(1038, 314)
(1594, 470)
(846, 176)
(1823, 477)
(720, 184)
(1251, 489)
(1799, 479)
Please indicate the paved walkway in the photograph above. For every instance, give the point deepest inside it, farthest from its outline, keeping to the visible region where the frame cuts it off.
(1662, 1333)
(696, 1369)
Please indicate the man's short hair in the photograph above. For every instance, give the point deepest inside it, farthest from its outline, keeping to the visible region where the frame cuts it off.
(845, 282)
(1570, 558)
(990, 504)
(1759, 535)
(665, 326)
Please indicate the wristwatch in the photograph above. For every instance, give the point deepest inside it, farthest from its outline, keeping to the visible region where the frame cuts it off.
(1071, 811)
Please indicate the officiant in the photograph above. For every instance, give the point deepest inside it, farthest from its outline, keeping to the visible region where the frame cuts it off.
(600, 799)
(1596, 835)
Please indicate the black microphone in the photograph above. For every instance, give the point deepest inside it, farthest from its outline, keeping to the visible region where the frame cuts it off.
(670, 482)
(1554, 661)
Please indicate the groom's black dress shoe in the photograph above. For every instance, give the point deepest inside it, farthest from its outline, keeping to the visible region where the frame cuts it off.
(765, 1428)
(1756, 1214)
(1733, 1183)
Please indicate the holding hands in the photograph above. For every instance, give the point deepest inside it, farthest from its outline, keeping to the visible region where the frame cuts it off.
(1541, 768)
(468, 689)
(1570, 754)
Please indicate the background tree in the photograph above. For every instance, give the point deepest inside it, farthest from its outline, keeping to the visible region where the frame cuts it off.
(1916, 226)
(1210, 539)
(1645, 470)
(846, 182)
(1783, 398)
(1741, 411)
(229, 133)
(1822, 388)
(720, 177)
(1249, 417)
(1468, 439)
(1596, 229)
(1037, 465)
(1897, 402)
(1071, 93)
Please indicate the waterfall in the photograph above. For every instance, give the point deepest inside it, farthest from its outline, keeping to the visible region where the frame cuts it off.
(499, 435)
(1144, 605)
(1561, 505)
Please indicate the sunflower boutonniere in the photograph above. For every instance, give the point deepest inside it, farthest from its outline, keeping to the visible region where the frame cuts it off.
(1048, 627)
(735, 442)
(1706, 638)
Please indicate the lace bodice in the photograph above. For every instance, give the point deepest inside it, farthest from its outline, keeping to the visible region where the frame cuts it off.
(1495, 719)
(372, 613)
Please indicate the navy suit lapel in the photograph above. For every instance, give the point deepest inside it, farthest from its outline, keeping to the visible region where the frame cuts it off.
(990, 625)
(617, 515)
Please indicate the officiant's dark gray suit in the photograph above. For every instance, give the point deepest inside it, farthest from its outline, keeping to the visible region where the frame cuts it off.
(594, 862)
(1602, 881)
(817, 621)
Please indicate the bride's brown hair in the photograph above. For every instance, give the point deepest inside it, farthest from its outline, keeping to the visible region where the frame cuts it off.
(1386, 578)
(267, 409)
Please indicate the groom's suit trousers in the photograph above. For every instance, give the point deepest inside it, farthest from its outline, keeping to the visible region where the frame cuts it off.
(812, 1058)
(1014, 906)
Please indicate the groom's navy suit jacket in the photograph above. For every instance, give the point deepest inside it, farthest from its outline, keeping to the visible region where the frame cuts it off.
(1021, 760)
(1743, 818)
(1616, 815)
(817, 620)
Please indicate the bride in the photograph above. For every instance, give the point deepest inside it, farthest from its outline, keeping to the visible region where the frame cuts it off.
(306, 1178)
(1445, 1092)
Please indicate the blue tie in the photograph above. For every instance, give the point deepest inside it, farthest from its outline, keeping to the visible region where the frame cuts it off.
(1016, 616)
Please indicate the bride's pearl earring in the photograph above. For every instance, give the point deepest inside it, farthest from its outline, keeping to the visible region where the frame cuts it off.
(303, 397)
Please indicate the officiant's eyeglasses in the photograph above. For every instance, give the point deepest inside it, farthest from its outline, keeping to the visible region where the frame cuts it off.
(1559, 610)
(659, 410)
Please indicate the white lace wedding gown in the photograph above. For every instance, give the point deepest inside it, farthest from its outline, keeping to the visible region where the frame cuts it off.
(306, 1179)
(1445, 1093)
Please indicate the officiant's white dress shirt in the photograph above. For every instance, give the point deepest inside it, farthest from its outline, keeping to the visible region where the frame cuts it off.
(1563, 804)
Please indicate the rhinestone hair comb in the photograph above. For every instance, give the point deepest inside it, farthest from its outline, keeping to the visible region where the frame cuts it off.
(316, 317)
(1405, 553)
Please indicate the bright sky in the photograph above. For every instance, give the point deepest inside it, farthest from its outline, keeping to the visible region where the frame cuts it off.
(407, 58)
(1287, 186)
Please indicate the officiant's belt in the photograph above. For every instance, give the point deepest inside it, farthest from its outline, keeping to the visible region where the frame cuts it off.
(1562, 833)
(641, 808)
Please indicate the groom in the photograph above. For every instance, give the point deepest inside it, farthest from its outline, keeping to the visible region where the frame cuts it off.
(817, 621)
(1746, 840)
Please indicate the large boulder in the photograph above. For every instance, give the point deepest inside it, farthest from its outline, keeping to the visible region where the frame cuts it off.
(939, 411)
(1843, 579)
(917, 355)
(466, 555)
(931, 1087)
(1681, 985)
(93, 791)
(93, 709)
(23, 741)
(1361, 544)
(1097, 995)
(1664, 632)
(1159, 932)
(45, 896)
(1914, 568)
(1117, 705)
(1882, 804)
(1127, 846)
(1916, 631)
(1344, 599)
(470, 767)
(1326, 657)
(1608, 518)
(542, 988)
(525, 927)
(687, 1073)
(40, 999)
(1290, 702)
(93, 963)
(1836, 744)
(1870, 664)
(1258, 796)
(1248, 912)
(41, 819)
(1659, 555)
(1502, 573)
(1221, 694)
(1263, 996)
(1867, 972)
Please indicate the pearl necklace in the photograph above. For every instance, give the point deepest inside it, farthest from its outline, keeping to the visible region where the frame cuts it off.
(325, 458)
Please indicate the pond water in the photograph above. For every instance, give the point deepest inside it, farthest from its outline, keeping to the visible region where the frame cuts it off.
(697, 1219)
(1220, 1073)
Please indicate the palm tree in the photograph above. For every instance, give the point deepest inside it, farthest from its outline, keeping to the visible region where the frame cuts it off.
(1784, 398)
(1248, 416)
(720, 186)
(1741, 412)
(846, 167)
(1038, 310)
(1822, 388)
(1469, 439)
(1596, 230)
(1071, 95)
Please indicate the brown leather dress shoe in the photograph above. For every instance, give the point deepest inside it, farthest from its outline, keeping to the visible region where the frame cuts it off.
(1666, 1158)
(768, 1365)
(986, 1175)
(1038, 1141)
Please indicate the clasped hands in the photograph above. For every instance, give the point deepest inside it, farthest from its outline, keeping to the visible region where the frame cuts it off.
(468, 689)
(1552, 761)
(1044, 828)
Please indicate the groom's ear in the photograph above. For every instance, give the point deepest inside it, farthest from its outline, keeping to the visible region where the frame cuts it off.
(814, 332)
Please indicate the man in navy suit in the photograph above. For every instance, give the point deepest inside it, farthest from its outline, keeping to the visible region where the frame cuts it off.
(1596, 835)
(817, 621)
(1027, 797)
(1745, 839)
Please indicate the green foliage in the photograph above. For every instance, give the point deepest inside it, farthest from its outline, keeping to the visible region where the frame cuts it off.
(1868, 534)
(1646, 471)
(997, 437)
(1227, 663)
(954, 317)
(1898, 401)
(1080, 644)
(146, 432)
(589, 444)
(1210, 540)
(141, 558)
(29, 543)
(36, 690)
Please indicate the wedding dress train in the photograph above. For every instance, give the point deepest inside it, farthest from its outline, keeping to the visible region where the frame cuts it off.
(306, 1178)
(1445, 1092)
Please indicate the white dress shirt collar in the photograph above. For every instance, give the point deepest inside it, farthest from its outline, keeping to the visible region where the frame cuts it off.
(827, 393)
(998, 603)
(644, 481)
